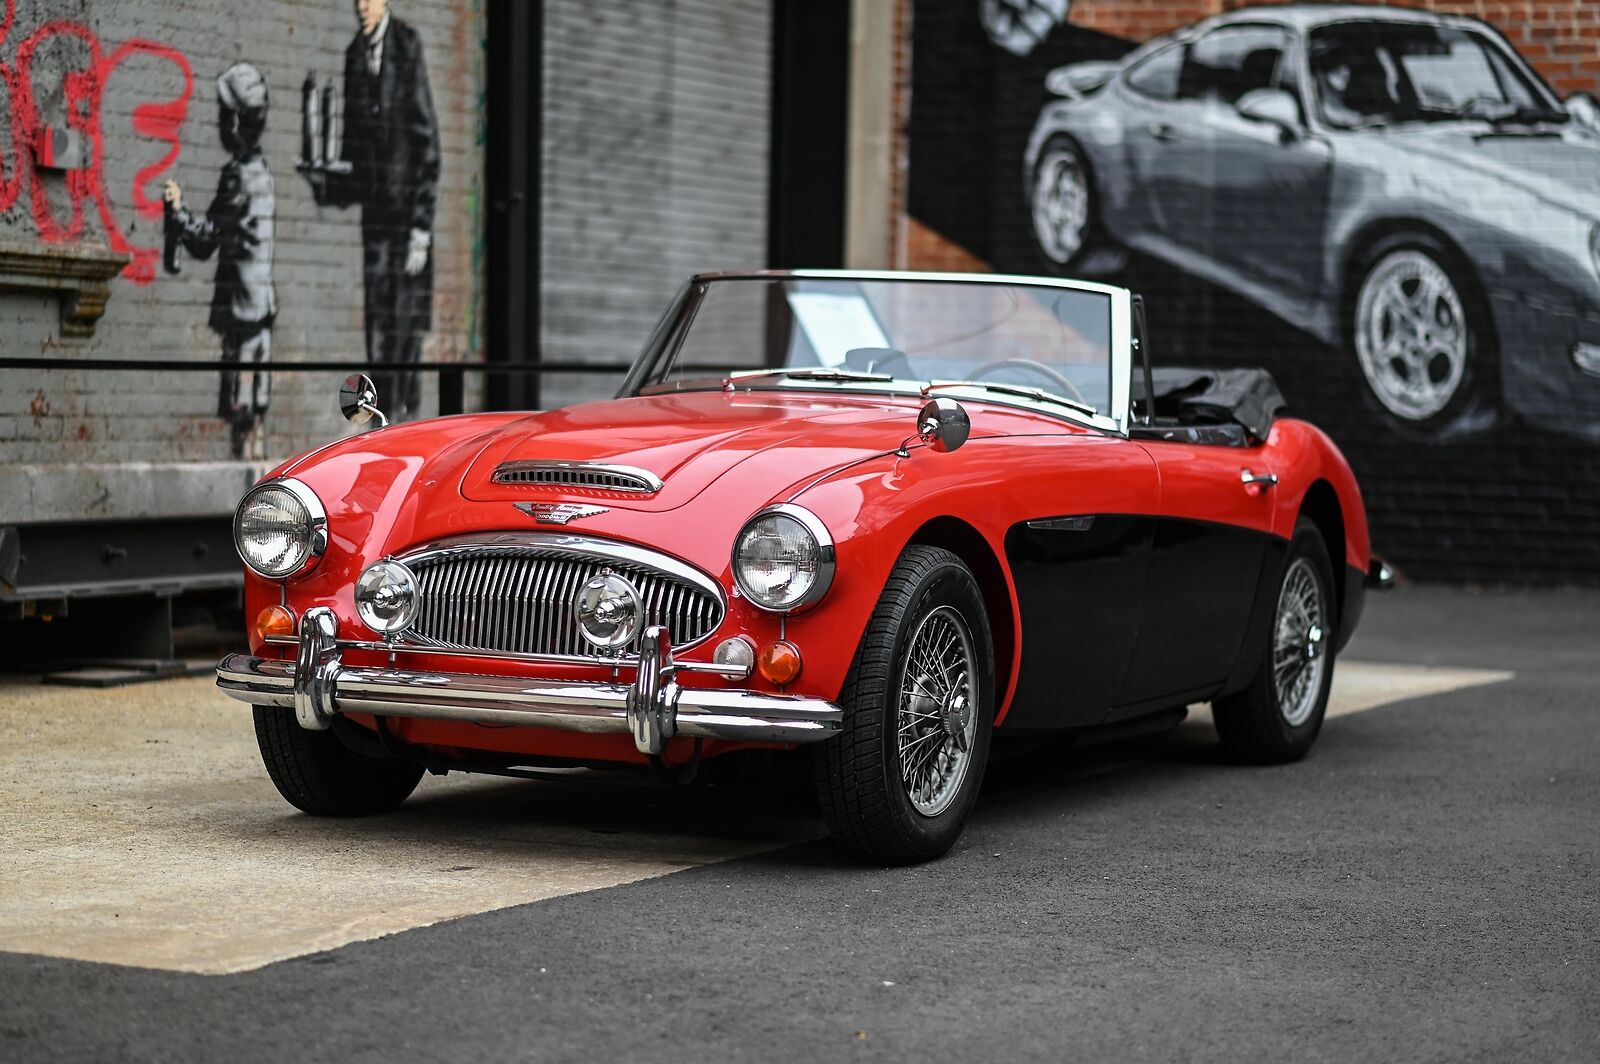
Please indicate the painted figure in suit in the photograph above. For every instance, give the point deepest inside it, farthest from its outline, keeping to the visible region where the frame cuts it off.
(390, 170)
(237, 229)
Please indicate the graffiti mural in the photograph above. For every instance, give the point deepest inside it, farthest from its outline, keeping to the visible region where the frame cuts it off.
(83, 88)
(238, 229)
(388, 165)
(1393, 209)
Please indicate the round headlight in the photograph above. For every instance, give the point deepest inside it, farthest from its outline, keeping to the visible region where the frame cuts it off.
(609, 611)
(783, 558)
(280, 529)
(386, 597)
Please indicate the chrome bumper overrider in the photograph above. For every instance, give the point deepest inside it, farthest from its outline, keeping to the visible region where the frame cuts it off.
(317, 686)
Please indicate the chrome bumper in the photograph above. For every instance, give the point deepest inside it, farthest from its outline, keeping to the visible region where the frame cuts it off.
(318, 686)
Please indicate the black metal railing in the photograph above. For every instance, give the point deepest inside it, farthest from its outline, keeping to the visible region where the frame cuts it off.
(452, 375)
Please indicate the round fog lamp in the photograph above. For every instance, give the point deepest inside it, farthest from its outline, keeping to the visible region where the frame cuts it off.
(736, 653)
(609, 611)
(386, 597)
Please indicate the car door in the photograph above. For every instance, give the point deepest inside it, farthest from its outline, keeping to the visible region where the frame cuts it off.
(1271, 185)
(1207, 552)
(1164, 145)
(1078, 561)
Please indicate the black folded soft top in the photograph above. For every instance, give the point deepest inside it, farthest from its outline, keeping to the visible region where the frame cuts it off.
(1190, 396)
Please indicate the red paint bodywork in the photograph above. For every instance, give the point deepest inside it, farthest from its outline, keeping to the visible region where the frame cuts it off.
(724, 455)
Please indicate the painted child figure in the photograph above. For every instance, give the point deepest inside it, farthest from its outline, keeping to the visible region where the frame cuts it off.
(238, 230)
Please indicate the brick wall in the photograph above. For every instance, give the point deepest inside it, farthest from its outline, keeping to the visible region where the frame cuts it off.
(138, 79)
(1510, 493)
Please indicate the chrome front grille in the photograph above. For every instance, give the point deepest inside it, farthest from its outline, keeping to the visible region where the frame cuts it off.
(514, 593)
(579, 475)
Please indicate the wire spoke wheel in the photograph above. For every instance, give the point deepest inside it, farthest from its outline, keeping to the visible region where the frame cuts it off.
(936, 724)
(1299, 653)
(1411, 335)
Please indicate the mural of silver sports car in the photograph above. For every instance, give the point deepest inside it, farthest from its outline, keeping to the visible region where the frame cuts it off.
(1400, 184)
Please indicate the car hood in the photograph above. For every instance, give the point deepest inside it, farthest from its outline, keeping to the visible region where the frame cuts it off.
(1563, 172)
(691, 439)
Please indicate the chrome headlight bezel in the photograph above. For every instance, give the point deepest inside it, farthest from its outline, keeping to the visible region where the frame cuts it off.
(312, 542)
(823, 562)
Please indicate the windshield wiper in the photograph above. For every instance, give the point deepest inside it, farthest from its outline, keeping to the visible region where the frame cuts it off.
(1014, 389)
(805, 373)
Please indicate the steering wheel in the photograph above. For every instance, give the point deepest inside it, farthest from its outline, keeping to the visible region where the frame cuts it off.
(1055, 376)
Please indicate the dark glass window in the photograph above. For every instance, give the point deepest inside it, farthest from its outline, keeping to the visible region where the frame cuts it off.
(1157, 75)
(1229, 62)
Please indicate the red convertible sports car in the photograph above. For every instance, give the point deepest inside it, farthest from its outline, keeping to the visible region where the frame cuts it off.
(875, 518)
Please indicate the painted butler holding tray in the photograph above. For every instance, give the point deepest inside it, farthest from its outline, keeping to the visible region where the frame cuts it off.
(387, 163)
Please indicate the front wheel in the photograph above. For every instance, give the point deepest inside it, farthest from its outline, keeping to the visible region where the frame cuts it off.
(897, 785)
(1424, 341)
(317, 773)
(1278, 716)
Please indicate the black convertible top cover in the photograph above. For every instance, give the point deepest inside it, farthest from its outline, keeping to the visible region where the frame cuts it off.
(1247, 397)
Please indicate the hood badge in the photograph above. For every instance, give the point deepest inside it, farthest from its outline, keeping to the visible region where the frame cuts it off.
(559, 513)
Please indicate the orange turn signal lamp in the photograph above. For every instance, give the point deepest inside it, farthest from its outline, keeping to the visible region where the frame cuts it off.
(779, 662)
(275, 621)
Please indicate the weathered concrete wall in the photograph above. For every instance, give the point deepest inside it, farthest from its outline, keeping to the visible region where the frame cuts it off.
(656, 144)
(137, 82)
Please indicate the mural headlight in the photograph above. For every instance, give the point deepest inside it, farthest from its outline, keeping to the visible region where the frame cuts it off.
(280, 529)
(783, 558)
(387, 597)
(609, 611)
(1594, 248)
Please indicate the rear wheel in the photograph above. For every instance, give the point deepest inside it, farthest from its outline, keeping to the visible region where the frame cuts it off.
(1278, 716)
(1063, 209)
(897, 785)
(316, 772)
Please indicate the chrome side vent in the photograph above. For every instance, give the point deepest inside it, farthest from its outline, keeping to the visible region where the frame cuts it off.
(578, 475)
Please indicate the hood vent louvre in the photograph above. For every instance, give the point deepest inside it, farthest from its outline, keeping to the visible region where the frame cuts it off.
(578, 475)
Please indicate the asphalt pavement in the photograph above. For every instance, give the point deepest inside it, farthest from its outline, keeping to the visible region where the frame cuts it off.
(1423, 887)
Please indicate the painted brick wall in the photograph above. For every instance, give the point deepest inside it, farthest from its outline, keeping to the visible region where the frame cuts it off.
(140, 76)
(1509, 494)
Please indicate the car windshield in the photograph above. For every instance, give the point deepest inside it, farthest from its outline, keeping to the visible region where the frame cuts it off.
(1374, 73)
(1039, 343)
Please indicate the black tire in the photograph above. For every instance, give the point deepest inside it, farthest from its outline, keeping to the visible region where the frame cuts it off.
(858, 774)
(1097, 254)
(1255, 724)
(317, 773)
(1474, 405)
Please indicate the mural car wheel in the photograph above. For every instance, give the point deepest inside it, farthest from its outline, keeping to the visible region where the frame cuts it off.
(898, 783)
(1421, 341)
(1278, 716)
(1062, 202)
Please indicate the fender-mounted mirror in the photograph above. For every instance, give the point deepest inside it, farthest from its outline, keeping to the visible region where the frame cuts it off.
(943, 424)
(358, 401)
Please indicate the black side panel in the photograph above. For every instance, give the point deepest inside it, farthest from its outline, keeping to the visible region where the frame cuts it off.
(1079, 593)
(1201, 594)
(1262, 615)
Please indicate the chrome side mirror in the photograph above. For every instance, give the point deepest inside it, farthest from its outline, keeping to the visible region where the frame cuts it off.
(943, 424)
(358, 401)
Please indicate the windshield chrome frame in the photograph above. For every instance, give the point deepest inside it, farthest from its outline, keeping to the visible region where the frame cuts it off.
(680, 318)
